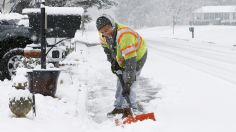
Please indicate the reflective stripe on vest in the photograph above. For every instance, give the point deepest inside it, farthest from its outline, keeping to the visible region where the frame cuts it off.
(132, 48)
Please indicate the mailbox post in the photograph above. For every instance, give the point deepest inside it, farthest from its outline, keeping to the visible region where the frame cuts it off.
(191, 29)
(43, 36)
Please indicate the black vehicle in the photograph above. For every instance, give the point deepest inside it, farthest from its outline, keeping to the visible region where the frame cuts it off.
(14, 38)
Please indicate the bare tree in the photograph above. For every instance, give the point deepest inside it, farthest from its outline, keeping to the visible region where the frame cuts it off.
(161, 12)
(19, 5)
(94, 3)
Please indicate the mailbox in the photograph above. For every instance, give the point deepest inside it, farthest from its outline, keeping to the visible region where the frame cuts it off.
(191, 29)
(59, 24)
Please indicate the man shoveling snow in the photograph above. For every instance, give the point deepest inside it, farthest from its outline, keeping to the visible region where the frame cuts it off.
(127, 52)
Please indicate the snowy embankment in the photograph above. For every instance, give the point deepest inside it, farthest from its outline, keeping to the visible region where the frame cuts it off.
(188, 83)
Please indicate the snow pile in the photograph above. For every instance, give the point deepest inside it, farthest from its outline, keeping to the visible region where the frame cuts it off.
(17, 94)
(79, 56)
(20, 77)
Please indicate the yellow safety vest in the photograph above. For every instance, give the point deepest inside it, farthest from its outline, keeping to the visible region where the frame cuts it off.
(129, 44)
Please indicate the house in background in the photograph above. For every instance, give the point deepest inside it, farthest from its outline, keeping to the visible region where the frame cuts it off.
(216, 15)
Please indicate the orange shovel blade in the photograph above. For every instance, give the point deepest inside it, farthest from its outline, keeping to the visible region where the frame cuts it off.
(141, 117)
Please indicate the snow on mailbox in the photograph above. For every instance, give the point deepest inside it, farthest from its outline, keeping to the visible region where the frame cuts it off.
(61, 22)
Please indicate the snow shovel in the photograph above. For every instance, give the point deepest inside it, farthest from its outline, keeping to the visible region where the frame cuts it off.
(132, 118)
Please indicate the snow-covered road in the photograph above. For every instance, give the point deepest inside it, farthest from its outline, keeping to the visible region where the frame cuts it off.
(198, 85)
(210, 58)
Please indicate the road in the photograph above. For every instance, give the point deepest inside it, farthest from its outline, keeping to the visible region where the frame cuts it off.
(210, 58)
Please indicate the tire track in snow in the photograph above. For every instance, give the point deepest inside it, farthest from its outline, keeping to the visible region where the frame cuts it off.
(208, 51)
(196, 60)
(146, 92)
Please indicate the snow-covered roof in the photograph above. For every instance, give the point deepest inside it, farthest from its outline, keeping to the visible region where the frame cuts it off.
(56, 10)
(214, 9)
(10, 16)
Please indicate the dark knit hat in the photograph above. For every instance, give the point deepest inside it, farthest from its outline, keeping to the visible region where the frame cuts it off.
(102, 21)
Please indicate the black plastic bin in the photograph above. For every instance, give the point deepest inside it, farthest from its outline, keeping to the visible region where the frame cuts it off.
(43, 81)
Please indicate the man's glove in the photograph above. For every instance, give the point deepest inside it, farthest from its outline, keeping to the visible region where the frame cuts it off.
(126, 89)
(115, 66)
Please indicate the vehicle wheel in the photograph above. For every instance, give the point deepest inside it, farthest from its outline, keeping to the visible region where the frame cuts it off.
(11, 61)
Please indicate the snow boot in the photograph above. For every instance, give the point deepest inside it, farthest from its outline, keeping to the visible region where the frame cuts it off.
(127, 112)
(114, 112)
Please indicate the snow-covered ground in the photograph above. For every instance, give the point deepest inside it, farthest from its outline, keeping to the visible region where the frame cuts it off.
(188, 83)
